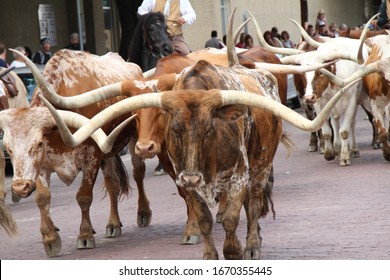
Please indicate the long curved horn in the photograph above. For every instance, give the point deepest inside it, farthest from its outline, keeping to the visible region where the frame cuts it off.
(230, 97)
(231, 48)
(380, 66)
(290, 69)
(306, 36)
(238, 30)
(149, 73)
(65, 119)
(5, 71)
(264, 44)
(122, 107)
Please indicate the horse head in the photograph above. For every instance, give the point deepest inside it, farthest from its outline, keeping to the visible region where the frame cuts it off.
(156, 35)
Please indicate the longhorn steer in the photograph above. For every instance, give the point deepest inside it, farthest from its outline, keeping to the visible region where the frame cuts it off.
(36, 150)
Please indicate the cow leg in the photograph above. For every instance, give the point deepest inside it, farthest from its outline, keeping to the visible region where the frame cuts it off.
(50, 238)
(116, 183)
(191, 233)
(335, 126)
(84, 197)
(205, 222)
(7, 222)
(329, 153)
(144, 213)
(232, 249)
(378, 109)
(375, 137)
(313, 143)
(257, 205)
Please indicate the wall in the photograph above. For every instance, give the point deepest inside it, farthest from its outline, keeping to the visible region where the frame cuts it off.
(20, 27)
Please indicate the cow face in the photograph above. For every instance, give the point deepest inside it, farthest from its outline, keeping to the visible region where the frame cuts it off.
(24, 139)
(204, 141)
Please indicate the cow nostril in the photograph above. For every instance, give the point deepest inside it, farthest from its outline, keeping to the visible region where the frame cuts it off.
(191, 179)
(150, 147)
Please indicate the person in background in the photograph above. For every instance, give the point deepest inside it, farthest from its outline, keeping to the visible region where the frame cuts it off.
(177, 13)
(214, 42)
(343, 27)
(384, 14)
(323, 29)
(248, 42)
(272, 41)
(44, 54)
(320, 20)
(74, 42)
(311, 30)
(28, 52)
(3, 55)
(241, 43)
(18, 60)
(275, 33)
(286, 41)
(333, 29)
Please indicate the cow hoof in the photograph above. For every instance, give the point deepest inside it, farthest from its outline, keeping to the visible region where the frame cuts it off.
(312, 148)
(252, 254)
(53, 248)
(346, 162)
(377, 146)
(144, 219)
(86, 243)
(190, 240)
(355, 154)
(112, 232)
(15, 198)
(329, 156)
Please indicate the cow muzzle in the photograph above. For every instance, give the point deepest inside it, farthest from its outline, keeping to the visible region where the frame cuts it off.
(146, 150)
(190, 179)
(310, 100)
(23, 188)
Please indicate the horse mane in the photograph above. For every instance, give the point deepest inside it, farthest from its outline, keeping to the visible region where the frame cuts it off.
(137, 41)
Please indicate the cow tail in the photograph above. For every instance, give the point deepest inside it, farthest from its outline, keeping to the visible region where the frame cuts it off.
(287, 143)
(7, 222)
(123, 177)
(116, 176)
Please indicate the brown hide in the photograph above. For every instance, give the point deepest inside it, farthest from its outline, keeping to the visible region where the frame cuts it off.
(72, 73)
(375, 83)
(356, 33)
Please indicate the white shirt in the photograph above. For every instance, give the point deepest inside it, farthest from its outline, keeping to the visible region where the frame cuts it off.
(18, 64)
(186, 10)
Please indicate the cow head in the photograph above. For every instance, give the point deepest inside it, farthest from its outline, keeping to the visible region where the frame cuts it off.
(203, 138)
(24, 139)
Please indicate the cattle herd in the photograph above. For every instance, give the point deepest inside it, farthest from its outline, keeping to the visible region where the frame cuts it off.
(214, 119)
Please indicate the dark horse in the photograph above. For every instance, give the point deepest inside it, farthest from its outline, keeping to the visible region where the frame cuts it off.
(150, 41)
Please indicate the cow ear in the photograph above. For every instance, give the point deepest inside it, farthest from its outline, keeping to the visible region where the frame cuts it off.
(230, 113)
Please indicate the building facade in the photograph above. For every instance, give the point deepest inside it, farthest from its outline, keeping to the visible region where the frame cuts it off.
(23, 23)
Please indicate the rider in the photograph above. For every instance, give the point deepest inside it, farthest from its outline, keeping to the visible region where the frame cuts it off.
(177, 13)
